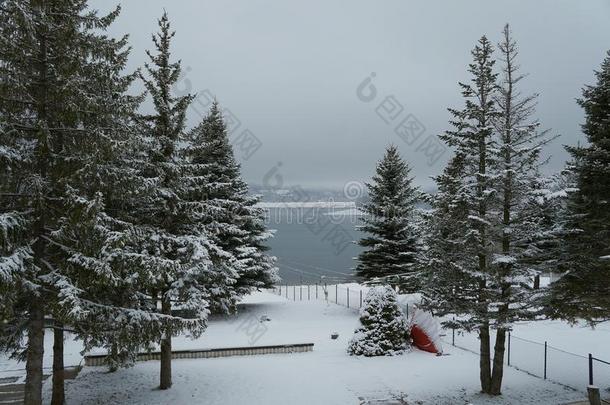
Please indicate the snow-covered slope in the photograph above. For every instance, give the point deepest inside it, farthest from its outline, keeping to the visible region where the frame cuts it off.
(325, 376)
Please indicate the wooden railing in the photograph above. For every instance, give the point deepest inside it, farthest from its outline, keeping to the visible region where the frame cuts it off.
(99, 359)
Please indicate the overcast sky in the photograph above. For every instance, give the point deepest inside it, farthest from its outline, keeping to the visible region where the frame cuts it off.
(290, 71)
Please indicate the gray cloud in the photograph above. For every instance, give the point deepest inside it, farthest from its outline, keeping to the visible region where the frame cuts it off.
(289, 71)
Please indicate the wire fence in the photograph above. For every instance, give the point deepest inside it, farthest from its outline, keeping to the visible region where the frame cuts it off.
(332, 293)
(545, 361)
(539, 359)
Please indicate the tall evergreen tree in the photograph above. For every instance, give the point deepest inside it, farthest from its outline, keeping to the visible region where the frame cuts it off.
(172, 254)
(231, 217)
(490, 219)
(60, 85)
(473, 193)
(521, 228)
(392, 242)
(584, 291)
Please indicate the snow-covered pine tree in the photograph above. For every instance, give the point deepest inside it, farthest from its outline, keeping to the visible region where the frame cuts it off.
(445, 259)
(170, 253)
(230, 214)
(547, 209)
(30, 125)
(391, 245)
(60, 81)
(210, 217)
(260, 270)
(87, 157)
(258, 267)
(472, 139)
(583, 291)
(490, 216)
(517, 148)
(383, 329)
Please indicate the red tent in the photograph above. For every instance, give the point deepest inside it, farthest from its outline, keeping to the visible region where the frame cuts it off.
(426, 332)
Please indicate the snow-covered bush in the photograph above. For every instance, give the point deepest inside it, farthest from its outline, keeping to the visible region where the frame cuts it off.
(384, 330)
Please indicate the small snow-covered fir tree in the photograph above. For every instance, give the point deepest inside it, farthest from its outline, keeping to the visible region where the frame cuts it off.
(391, 245)
(384, 331)
(584, 291)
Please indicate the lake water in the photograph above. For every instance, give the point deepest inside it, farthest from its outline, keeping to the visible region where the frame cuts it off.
(314, 245)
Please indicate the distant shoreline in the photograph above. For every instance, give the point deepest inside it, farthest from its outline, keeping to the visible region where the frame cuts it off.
(310, 204)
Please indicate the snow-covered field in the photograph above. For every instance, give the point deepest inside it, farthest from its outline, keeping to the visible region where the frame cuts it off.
(72, 357)
(567, 351)
(325, 376)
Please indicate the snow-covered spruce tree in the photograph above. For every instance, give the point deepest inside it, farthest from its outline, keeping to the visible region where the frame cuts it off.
(391, 246)
(472, 139)
(27, 191)
(548, 210)
(228, 212)
(445, 260)
(60, 84)
(584, 291)
(172, 252)
(490, 218)
(517, 149)
(384, 331)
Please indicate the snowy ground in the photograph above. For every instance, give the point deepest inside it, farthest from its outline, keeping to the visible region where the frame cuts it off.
(568, 346)
(326, 376)
(567, 351)
(13, 368)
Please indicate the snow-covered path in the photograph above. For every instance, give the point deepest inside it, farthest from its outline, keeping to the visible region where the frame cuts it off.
(325, 376)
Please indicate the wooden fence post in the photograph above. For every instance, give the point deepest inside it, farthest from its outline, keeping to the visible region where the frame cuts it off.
(594, 395)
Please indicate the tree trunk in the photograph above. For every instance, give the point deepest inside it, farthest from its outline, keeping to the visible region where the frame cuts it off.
(485, 361)
(35, 345)
(166, 348)
(59, 395)
(537, 282)
(113, 358)
(35, 351)
(498, 366)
